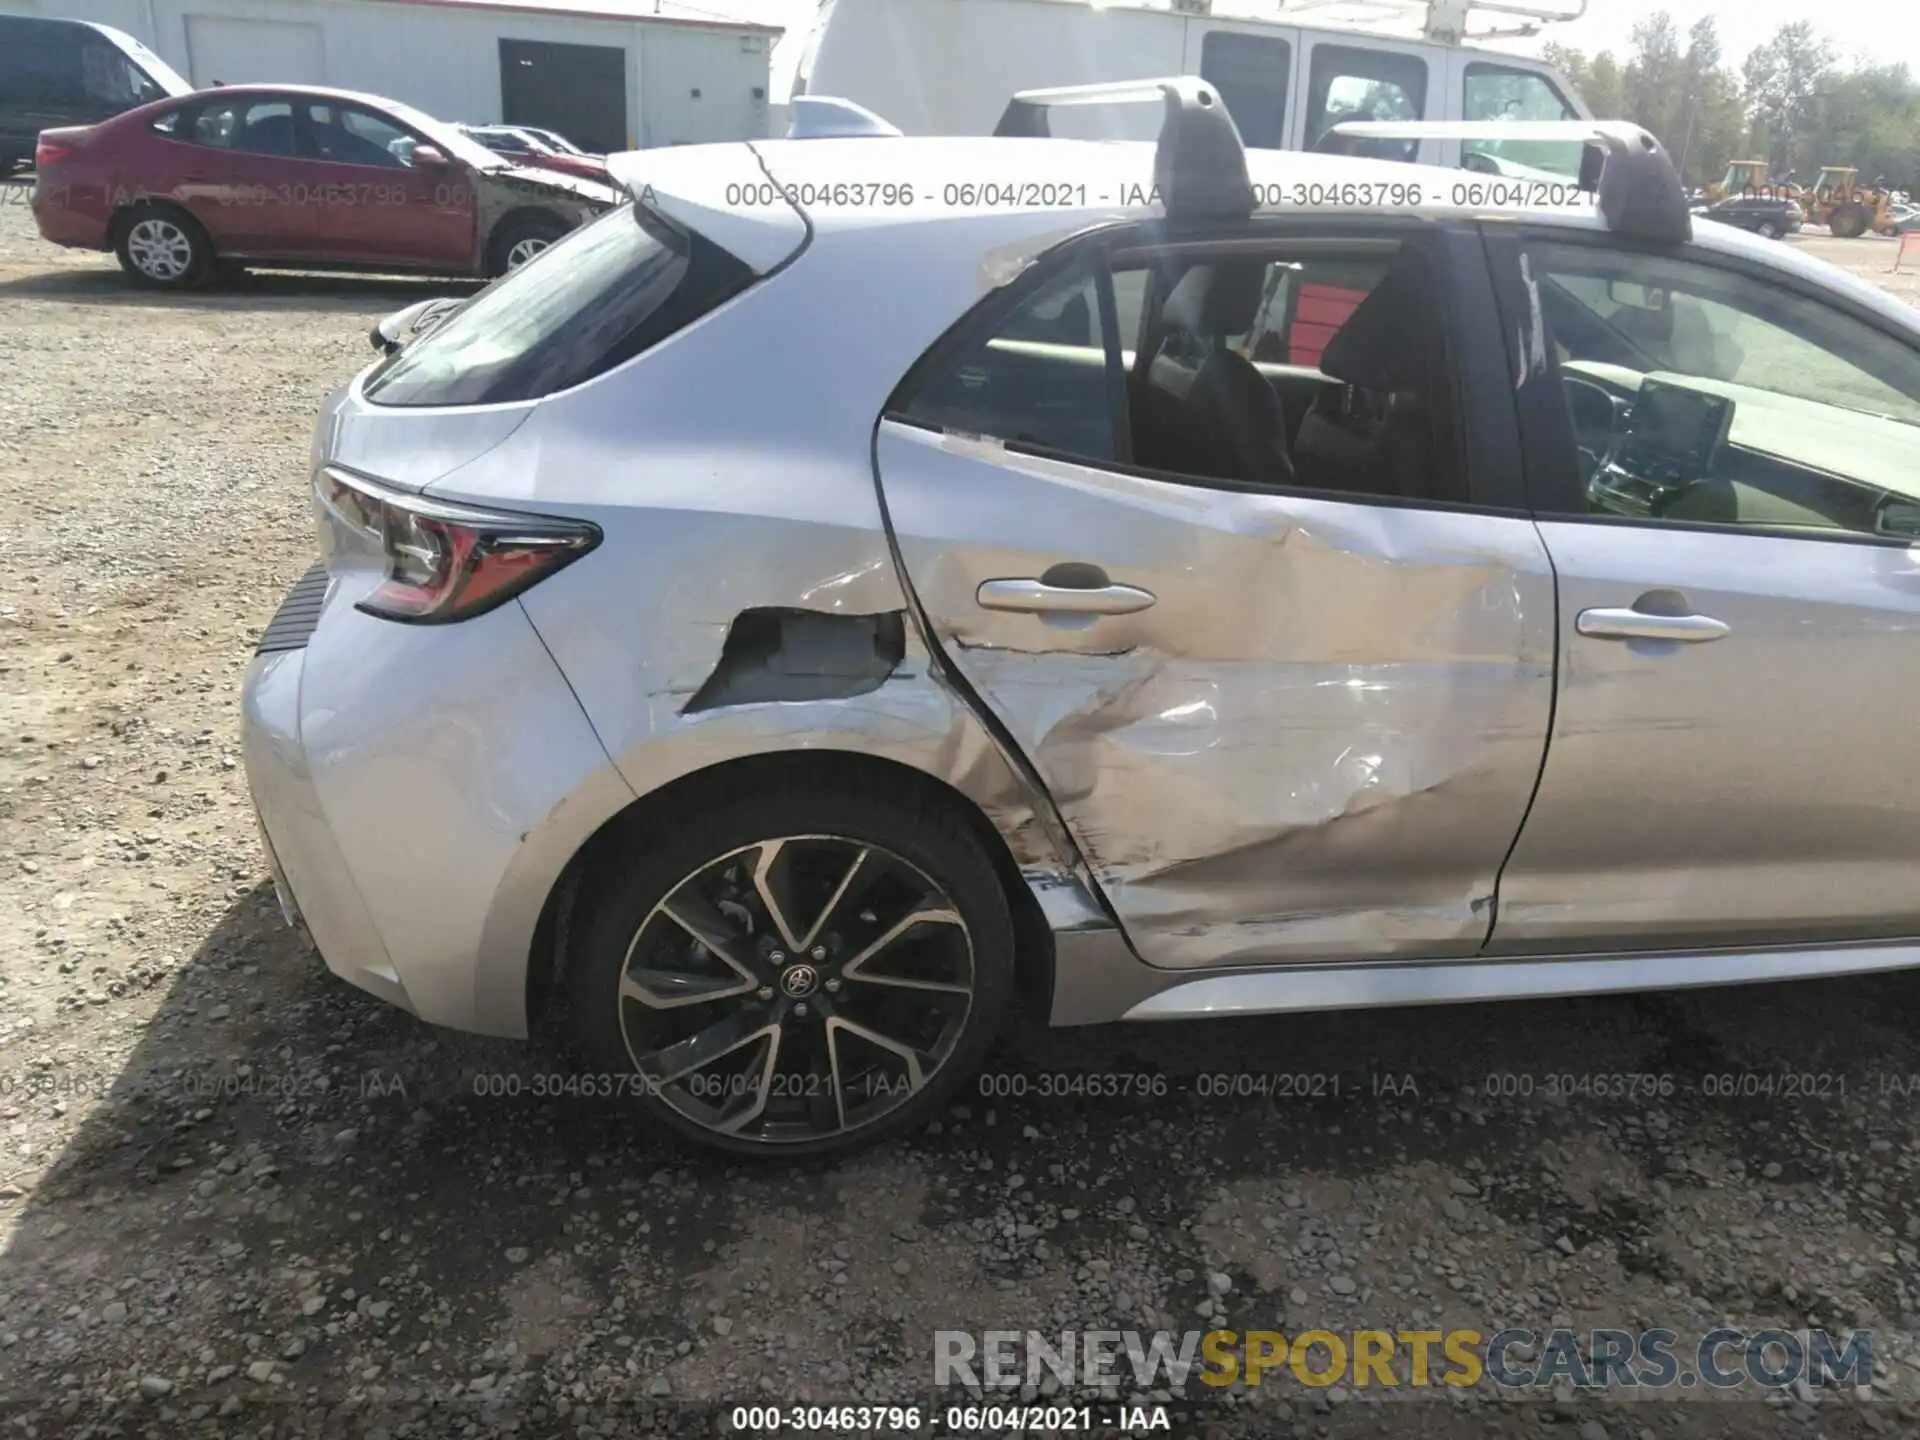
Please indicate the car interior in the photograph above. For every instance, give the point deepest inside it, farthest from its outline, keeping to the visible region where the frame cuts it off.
(1324, 373)
(1666, 427)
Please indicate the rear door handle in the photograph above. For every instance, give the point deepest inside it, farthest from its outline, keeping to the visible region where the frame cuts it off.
(1638, 625)
(1036, 597)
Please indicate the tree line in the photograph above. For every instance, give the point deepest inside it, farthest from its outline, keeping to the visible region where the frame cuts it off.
(1791, 103)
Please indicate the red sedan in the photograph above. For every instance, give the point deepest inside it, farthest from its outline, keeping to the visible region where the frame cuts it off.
(301, 177)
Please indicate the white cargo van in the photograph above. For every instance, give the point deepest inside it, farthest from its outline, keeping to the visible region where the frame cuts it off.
(946, 67)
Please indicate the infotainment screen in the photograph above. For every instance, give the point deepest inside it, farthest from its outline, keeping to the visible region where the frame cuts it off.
(1676, 427)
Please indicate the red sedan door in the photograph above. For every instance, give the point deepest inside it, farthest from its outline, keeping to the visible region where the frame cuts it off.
(378, 207)
(229, 161)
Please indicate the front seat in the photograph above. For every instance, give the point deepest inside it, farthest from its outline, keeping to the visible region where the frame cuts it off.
(1207, 410)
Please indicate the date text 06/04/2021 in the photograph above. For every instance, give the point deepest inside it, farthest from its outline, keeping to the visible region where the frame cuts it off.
(948, 1422)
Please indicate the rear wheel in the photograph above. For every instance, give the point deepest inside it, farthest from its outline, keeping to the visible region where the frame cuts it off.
(520, 238)
(795, 972)
(1849, 222)
(163, 247)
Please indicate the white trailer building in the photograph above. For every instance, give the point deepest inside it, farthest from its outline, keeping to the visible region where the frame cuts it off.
(608, 74)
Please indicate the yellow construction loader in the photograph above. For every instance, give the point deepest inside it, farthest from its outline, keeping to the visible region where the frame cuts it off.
(1846, 207)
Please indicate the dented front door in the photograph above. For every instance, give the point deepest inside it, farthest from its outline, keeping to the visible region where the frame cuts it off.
(1279, 727)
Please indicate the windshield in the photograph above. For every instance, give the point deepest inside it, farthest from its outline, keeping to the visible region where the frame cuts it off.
(162, 74)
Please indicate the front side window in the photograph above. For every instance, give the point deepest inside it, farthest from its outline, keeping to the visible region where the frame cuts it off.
(109, 77)
(1503, 93)
(598, 297)
(1320, 366)
(1251, 74)
(1706, 395)
(349, 136)
(1353, 84)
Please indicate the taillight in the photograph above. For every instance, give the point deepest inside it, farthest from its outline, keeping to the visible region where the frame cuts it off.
(49, 152)
(447, 562)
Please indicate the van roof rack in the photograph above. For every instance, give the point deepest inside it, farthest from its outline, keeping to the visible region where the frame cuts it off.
(1639, 190)
(1199, 162)
(1444, 22)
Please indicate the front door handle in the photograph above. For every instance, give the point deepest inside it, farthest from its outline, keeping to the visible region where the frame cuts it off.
(1639, 625)
(1037, 597)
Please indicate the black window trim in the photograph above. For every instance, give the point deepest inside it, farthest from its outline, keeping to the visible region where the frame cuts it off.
(1546, 426)
(1487, 435)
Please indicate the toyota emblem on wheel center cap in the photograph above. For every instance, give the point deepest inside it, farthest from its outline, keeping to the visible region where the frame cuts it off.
(799, 980)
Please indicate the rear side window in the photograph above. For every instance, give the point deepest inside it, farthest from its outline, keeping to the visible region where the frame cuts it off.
(1251, 74)
(602, 295)
(1039, 379)
(263, 127)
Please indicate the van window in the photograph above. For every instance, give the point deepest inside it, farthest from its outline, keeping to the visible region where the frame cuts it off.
(1501, 92)
(1353, 84)
(1251, 74)
(40, 63)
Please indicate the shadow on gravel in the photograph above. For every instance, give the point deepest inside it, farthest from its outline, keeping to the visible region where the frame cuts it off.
(254, 290)
(298, 1201)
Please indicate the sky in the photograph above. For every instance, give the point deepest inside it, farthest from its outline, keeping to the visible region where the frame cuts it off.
(1881, 31)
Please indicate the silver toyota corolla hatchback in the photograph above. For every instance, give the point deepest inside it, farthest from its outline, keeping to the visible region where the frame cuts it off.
(866, 585)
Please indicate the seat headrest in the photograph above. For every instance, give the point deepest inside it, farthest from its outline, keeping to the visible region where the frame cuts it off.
(1217, 299)
(1384, 344)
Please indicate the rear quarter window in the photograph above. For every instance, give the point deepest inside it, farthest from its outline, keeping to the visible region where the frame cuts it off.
(607, 292)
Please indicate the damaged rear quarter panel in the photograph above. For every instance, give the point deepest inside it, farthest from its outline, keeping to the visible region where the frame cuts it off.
(730, 471)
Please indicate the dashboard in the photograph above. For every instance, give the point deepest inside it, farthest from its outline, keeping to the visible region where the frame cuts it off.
(1686, 448)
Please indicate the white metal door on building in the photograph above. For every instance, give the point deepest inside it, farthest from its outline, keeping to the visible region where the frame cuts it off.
(224, 51)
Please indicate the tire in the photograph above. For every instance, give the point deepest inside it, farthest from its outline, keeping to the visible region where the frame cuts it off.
(163, 247)
(1849, 222)
(809, 1079)
(1768, 230)
(520, 237)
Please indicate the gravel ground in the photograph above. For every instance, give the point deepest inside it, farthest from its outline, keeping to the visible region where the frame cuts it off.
(239, 1197)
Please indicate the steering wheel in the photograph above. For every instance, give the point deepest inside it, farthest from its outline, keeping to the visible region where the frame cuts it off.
(1598, 416)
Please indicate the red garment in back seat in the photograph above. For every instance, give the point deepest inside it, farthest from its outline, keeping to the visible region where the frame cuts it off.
(1318, 315)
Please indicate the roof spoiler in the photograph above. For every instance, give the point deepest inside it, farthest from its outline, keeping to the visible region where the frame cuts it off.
(1199, 164)
(1639, 189)
(829, 117)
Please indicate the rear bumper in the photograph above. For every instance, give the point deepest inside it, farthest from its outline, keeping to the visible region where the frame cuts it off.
(61, 223)
(421, 789)
(310, 875)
